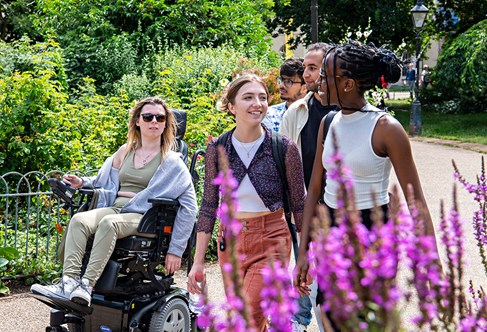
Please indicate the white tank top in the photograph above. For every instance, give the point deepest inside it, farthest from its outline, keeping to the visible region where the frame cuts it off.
(370, 172)
(247, 197)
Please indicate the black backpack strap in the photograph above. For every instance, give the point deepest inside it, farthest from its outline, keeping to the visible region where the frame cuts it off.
(222, 139)
(278, 155)
(326, 125)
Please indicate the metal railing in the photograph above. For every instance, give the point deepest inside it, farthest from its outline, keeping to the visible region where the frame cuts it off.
(32, 218)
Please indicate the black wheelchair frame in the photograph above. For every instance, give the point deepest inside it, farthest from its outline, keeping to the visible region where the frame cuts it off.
(132, 294)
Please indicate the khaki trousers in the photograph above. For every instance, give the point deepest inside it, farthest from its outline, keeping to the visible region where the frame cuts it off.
(262, 240)
(108, 225)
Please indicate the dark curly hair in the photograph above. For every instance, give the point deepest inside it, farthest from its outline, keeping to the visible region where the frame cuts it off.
(366, 63)
(292, 67)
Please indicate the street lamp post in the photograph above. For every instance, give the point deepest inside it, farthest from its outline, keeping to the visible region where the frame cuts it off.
(418, 14)
(314, 21)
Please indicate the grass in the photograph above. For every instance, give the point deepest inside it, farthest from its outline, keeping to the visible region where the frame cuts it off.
(470, 128)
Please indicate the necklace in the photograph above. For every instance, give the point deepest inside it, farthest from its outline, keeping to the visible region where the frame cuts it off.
(247, 151)
(144, 160)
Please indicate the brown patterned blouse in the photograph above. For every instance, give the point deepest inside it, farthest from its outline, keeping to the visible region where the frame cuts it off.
(263, 174)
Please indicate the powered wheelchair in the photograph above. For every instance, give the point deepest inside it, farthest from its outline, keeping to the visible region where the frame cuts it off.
(133, 293)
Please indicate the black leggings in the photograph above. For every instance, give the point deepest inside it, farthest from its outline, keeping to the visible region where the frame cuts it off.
(366, 220)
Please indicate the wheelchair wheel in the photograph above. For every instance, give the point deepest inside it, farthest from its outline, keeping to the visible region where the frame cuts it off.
(173, 317)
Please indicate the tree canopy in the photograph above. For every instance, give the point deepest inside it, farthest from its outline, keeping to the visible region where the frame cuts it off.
(457, 16)
(459, 79)
(105, 39)
(390, 20)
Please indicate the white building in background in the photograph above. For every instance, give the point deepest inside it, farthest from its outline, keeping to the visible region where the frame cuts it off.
(280, 45)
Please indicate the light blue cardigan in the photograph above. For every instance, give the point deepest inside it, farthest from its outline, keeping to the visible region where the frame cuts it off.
(171, 180)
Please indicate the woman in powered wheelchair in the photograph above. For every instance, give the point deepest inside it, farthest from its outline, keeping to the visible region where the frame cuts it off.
(144, 181)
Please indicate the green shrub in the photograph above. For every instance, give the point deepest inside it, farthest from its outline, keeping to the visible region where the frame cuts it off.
(24, 56)
(104, 60)
(106, 40)
(459, 80)
(193, 79)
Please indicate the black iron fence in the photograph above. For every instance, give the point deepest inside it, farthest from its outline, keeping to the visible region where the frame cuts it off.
(32, 218)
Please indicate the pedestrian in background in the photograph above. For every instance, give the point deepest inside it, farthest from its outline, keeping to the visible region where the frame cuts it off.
(411, 80)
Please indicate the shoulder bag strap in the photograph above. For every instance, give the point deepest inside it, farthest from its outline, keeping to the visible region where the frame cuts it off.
(278, 155)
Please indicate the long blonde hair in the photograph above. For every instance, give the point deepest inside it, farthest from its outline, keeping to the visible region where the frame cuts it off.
(168, 137)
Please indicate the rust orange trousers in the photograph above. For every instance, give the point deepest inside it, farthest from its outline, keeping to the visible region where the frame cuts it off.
(261, 240)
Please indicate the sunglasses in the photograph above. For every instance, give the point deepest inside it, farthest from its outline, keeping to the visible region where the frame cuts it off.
(148, 117)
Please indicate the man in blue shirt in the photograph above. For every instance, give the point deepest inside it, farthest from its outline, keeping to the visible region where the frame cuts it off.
(411, 79)
(291, 88)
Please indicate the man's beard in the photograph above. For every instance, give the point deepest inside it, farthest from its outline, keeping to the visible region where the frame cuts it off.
(312, 87)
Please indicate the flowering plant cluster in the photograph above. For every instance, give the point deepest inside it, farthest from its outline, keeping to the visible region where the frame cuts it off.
(480, 216)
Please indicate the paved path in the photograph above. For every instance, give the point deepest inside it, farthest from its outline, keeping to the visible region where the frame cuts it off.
(23, 314)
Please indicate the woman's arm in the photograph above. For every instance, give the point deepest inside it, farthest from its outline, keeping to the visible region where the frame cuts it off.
(391, 140)
(207, 217)
(77, 182)
(312, 198)
(295, 181)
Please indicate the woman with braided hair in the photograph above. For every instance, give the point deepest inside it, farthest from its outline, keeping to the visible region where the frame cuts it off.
(370, 140)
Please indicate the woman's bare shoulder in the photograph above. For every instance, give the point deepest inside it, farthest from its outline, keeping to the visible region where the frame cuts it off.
(119, 156)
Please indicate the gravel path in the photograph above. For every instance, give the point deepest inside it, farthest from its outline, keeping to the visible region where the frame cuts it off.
(21, 313)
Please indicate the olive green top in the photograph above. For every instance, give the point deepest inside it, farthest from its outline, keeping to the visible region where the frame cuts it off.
(135, 179)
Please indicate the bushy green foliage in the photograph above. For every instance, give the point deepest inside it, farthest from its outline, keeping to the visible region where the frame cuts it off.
(459, 80)
(24, 56)
(43, 128)
(389, 21)
(107, 40)
(7, 254)
(103, 60)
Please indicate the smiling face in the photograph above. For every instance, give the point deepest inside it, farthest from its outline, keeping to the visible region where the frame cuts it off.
(332, 82)
(250, 104)
(151, 128)
(312, 65)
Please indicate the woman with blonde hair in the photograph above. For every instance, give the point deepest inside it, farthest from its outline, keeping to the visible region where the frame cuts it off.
(144, 167)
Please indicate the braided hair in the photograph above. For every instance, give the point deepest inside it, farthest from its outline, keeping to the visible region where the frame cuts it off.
(366, 63)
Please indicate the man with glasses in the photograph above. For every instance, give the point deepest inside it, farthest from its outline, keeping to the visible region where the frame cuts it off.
(291, 88)
(301, 123)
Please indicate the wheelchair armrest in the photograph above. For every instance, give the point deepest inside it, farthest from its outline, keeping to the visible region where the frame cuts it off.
(159, 217)
(88, 192)
(163, 201)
